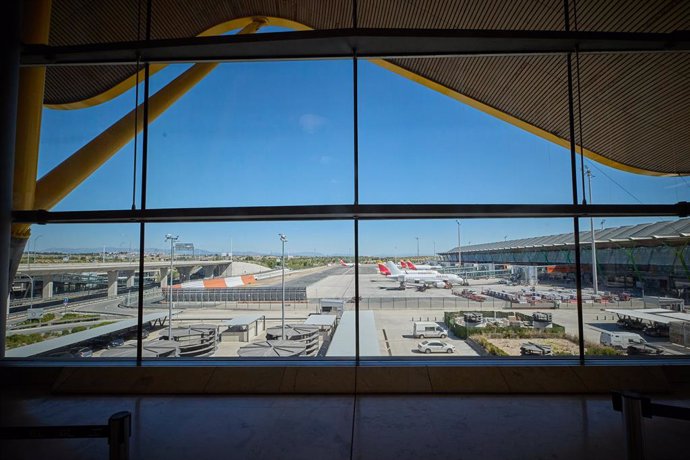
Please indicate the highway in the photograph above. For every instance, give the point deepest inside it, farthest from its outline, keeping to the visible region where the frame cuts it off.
(100, 267)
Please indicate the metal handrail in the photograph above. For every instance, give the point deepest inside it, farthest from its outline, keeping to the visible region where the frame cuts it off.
(118, 431)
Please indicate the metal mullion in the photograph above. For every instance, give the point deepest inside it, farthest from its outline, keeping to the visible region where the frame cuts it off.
(144, 177)
(573, 178)
(350, 211)
(339, 43)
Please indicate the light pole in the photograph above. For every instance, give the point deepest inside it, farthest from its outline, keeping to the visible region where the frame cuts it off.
(172, 240)
(28, 259)
(595, 282)
(459, 250)
(283, 240)
(417, 238)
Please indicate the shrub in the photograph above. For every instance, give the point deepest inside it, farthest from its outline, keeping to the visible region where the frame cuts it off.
(79, 329)
(489, 347)
(48, 317)
(20, 340)
(600, 350)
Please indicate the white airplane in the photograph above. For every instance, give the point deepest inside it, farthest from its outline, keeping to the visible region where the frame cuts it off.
(348, 264)
(429, 279)
(407, 267)
(412, 266)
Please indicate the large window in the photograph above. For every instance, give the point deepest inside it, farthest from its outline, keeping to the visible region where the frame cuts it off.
(417, 208)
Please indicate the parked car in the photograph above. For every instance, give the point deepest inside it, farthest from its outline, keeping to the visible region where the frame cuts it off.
(116, 342)
(436, 346)
(84, 352)
(132, 335)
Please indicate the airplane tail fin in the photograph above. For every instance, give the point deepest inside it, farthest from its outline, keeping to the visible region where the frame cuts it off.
(411, 265)
(403, 264)
(383, 270)
(393, 268)
(342, 263)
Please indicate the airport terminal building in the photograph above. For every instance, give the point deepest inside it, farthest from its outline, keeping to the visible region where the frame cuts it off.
(649, 258)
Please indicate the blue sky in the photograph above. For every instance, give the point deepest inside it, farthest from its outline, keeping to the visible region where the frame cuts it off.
(280, 133)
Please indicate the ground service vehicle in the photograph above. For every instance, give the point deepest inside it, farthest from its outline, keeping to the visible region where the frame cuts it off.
(621, 339)
(424, 329)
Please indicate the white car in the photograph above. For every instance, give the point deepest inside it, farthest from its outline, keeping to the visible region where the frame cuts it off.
(436, 346)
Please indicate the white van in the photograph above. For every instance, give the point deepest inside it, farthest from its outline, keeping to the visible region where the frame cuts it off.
(428, 329)
(621, 339)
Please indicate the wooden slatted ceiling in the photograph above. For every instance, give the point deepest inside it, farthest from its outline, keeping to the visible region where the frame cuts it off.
(636, 108)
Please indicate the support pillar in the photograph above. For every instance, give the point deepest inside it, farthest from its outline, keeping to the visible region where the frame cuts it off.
(185, 273)
(29, 110)
(163, 276)
(112, 283)
(130, 278)
(47, 291)
(10, 18)
(208, 270)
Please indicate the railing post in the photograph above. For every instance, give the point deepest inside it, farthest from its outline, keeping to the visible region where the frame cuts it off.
(119, 431)
(630, 404)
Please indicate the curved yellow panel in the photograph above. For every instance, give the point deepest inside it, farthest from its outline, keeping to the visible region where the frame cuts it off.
(128, 83)
(287, 23)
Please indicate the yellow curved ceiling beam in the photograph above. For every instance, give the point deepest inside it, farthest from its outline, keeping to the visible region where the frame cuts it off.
(474, 103)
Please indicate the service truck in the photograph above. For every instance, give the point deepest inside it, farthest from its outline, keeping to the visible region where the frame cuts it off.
(621, 339)
(424, 329)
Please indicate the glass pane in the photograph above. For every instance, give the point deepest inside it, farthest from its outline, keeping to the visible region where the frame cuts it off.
(635, 301)
(430, 131)
(227, 294)
(634, 124)
(512, 295)
(253, 134)
(74, 294)
(86, 157)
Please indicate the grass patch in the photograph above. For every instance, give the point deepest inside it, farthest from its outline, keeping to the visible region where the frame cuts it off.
(67, 317)
(600, 350)
(20, 340)
(48, 317)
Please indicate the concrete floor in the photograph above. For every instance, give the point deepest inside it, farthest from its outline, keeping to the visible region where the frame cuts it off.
(320, 427)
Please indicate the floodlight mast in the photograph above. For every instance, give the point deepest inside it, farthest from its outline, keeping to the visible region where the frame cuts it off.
(459, 253)
(595, 278)
(172, 240)
(283, 240)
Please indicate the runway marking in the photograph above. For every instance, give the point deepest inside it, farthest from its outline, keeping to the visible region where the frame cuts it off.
(388, 345)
